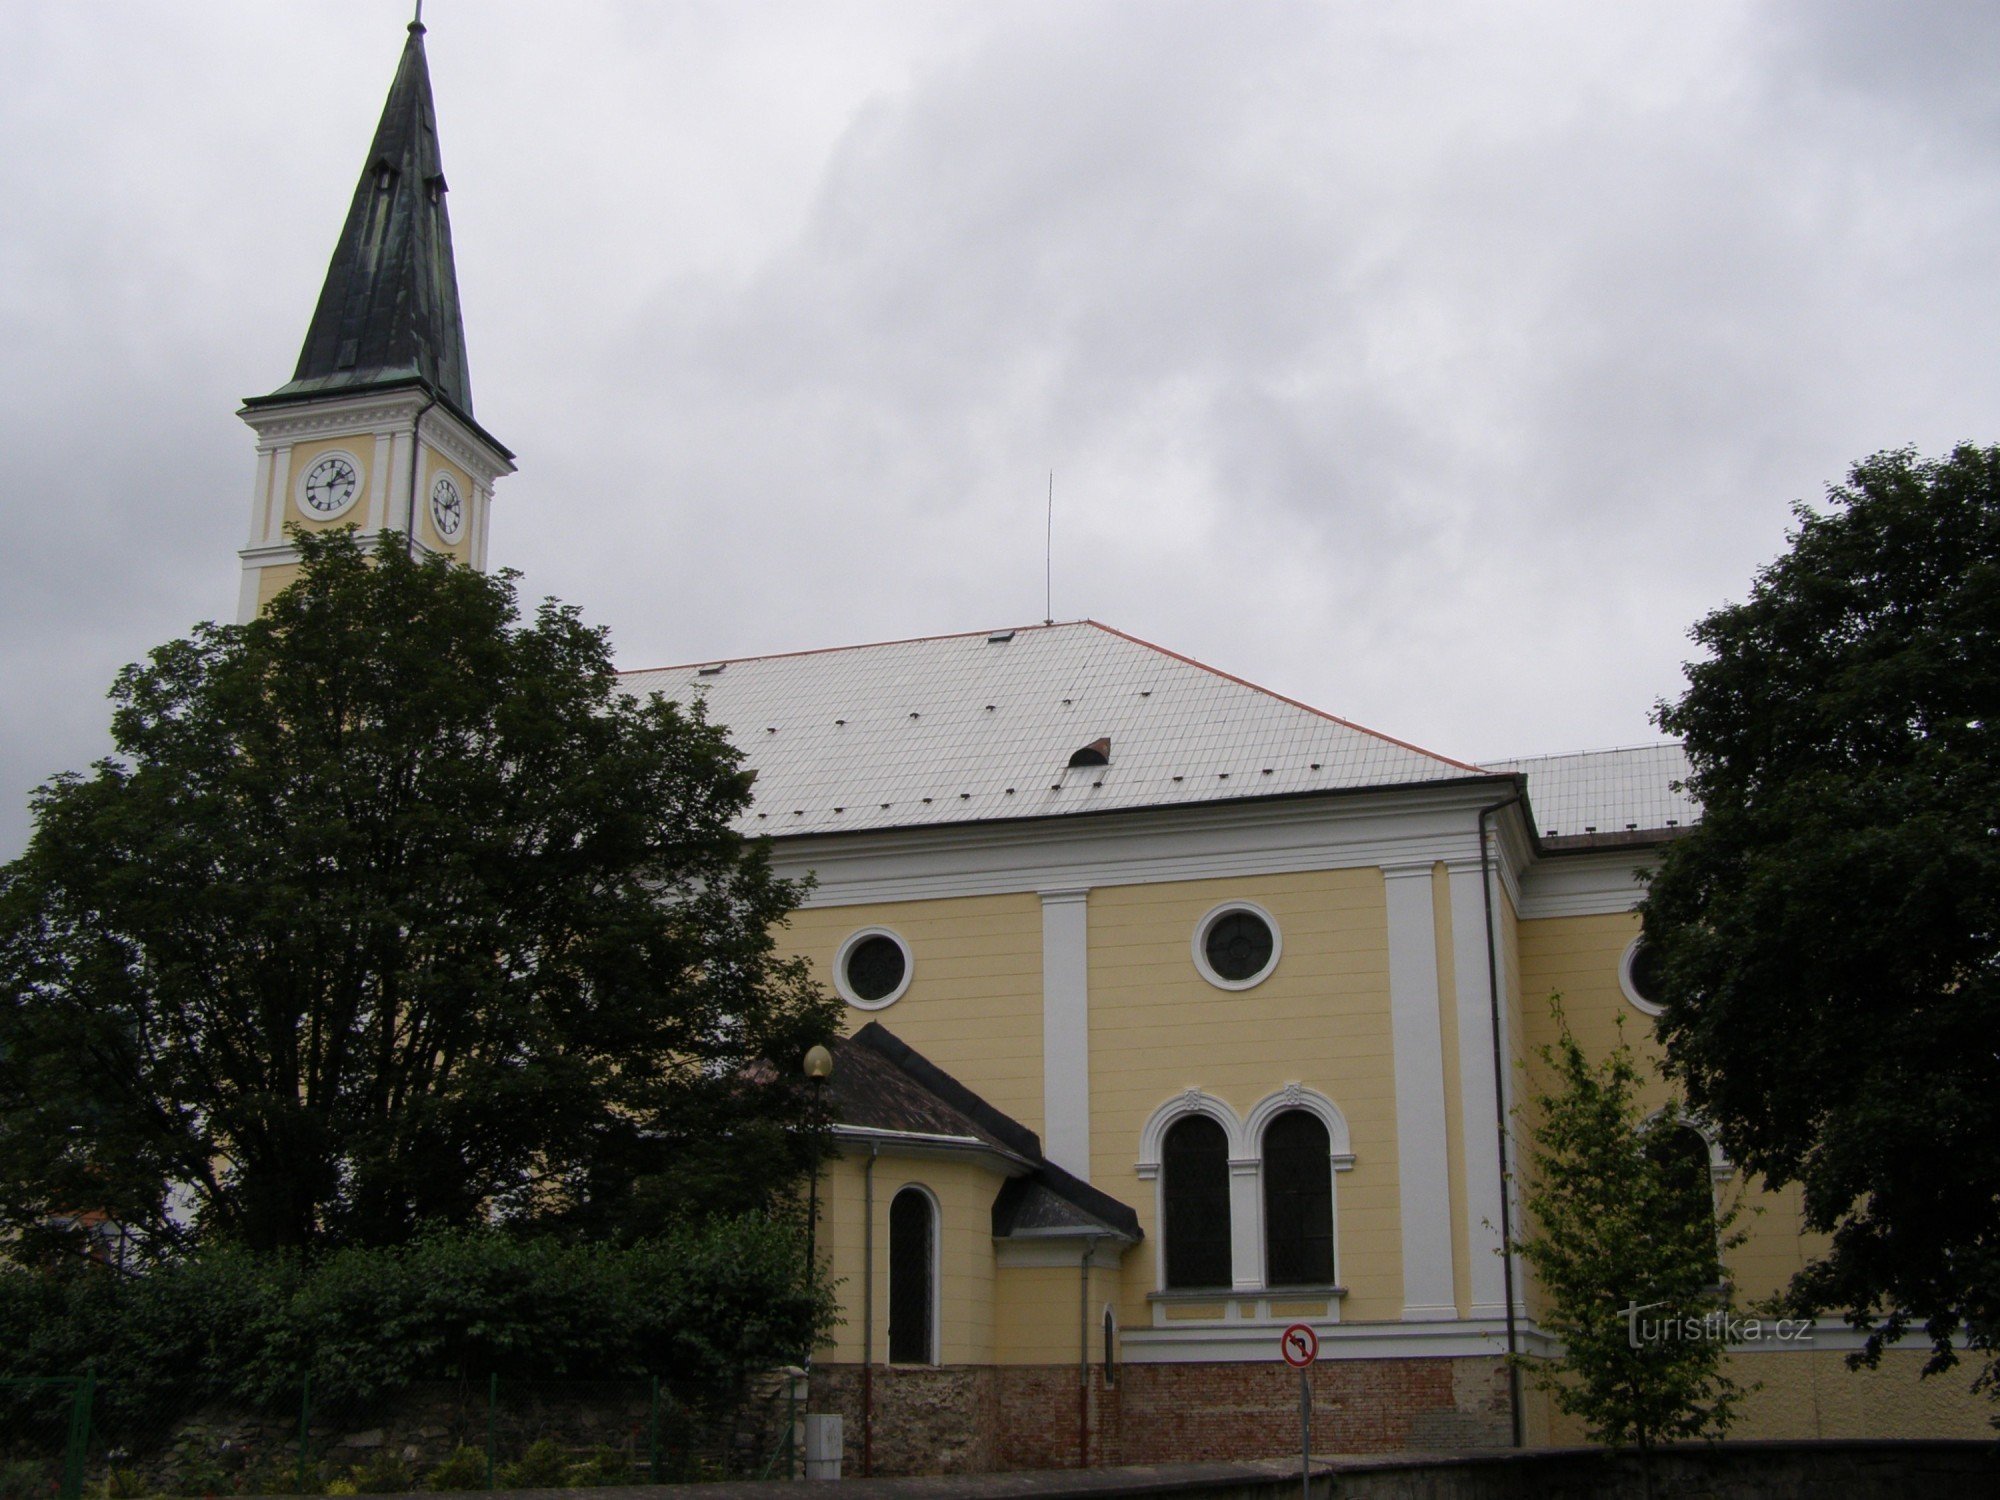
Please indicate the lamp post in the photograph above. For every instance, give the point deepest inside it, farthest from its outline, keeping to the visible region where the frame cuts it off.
(818, 1067)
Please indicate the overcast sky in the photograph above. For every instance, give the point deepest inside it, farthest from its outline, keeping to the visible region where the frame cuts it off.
(1437, 364)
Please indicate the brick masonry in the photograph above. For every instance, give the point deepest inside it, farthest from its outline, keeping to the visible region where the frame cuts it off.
(975, 1419)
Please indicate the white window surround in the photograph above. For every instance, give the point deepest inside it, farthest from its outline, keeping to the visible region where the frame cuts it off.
(1246, 1175)
(854, 940)
(1199, 945)
(1720, 1168)
(1631, 990)
(936, 1271)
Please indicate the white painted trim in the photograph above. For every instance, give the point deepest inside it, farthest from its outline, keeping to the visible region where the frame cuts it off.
(1201, 841)
(1475, 1103)
(1255, 1340)
(1631, 991)
(1060, 1251)
(1193, 1101)
(854, 940)
(1720, 1167)
(1066, 1029)
(378, 491)
(1340, 1158)
(1423, 1166)
(921, 1143)
(1585, 885)
(1199, 945)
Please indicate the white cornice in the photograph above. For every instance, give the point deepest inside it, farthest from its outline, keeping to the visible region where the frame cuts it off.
(1417, 825)
(372, 412)
(1585, 885)
(922, 1143)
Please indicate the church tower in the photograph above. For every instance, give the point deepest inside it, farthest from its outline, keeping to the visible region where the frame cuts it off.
(375, 428)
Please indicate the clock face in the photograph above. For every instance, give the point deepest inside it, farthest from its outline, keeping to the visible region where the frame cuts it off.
(447, 508)
(331, 485)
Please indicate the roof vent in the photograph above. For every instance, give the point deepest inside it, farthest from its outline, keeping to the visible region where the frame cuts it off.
(1000, 638)
(1096, 753)
(714, 671)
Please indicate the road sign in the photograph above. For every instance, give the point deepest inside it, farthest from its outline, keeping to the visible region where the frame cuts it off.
(1300, 1345)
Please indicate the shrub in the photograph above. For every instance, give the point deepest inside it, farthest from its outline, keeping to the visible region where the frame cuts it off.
(545, 1466)
(464, 1470)
(387, 1473)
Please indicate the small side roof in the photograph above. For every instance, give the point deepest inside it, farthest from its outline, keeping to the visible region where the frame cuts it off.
(880, 1084)
(1034, 721)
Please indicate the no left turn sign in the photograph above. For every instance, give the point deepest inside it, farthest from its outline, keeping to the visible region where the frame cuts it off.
(1300, 1345)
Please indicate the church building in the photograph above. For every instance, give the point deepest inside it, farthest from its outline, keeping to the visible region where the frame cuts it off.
(1178, 1012)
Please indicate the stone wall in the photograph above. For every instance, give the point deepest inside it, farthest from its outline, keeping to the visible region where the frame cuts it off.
(960, 1419)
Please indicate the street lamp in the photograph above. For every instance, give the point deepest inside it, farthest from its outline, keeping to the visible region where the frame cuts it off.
(818, 1067)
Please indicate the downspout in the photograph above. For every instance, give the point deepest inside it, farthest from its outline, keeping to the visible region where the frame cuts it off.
(416, 451)
(868, 1311)
(1083, 1354)
(1500, 1120)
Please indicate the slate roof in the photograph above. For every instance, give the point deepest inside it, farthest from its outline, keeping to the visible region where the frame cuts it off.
(880, 1082)
(967, 728)
(388, 314)
(1604, 798)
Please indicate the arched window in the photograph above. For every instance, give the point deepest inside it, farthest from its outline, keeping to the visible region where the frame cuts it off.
(912, 1278)
(1681, 1152)
(1110, 1348)
(1194, 1163)
(1298, 1201)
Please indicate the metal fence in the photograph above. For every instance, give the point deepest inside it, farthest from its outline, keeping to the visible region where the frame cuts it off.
(63, 1438)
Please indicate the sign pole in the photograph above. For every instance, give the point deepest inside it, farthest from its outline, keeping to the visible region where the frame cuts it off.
(1300, 1347)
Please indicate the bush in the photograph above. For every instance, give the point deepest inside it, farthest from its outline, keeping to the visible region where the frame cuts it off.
(464, 1470)
(545, 1466)
(24, 1480)
(702, 1306)
(387, 1473)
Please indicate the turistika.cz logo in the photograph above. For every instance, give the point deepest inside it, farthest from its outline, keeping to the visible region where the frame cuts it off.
(1718, 1327)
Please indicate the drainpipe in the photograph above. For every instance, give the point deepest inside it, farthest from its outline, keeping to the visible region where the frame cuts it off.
(1500, 1119)
(1083, 1355)
(416, 452)
(868, 1312)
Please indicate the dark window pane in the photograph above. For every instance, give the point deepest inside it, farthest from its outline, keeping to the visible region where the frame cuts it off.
(1110, 1348)
(1298, 1201)
(874, 967)
(1681, 1152)
(1645, 973)
(1238, 945)
(1195, 1170)
(910, 1262)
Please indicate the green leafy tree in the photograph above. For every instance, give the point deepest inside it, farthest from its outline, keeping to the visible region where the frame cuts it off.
(391, 909)
(1625, 1243)
(1828, 939)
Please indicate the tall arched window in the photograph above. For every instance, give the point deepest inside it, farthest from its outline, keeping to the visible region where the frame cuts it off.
(912, 1278)
(1681, 1152)
(1298, 1201)
(1194, 1165)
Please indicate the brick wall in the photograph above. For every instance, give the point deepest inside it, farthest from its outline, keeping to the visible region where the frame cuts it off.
(976, 1419)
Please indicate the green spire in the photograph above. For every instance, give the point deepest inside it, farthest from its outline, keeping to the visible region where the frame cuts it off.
(388, 314)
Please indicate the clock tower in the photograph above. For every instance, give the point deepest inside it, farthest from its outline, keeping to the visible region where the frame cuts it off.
(375, 428)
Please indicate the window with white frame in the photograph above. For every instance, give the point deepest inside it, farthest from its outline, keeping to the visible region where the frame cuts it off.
(1194, 1170)
(913, 1247)
(1297, 1168)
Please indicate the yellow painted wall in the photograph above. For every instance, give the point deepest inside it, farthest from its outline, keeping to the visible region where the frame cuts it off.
(1157, 1028)
(273, 581)
(964, 1193)
(1036, 1312)
(1579, 957)
(974, 1005)
(1812, 1394)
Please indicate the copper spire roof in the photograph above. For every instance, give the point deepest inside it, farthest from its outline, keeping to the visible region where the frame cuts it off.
(388, 314)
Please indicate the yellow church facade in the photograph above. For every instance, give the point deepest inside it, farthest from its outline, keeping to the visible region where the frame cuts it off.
(1178, 1012)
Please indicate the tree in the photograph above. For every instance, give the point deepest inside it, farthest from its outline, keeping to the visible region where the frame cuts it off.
(1626, 1246)
(390, 910)
(1828, 938)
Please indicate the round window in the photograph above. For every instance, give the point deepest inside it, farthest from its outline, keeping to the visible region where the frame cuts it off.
(873, 969)
(1639, 976)
(1236, 946)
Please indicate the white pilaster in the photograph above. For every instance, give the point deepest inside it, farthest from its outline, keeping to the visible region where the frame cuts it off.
(1246, 1223)
(1477, 1115)
(1066, 1029)
(1423, 1168)
(378, 484)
